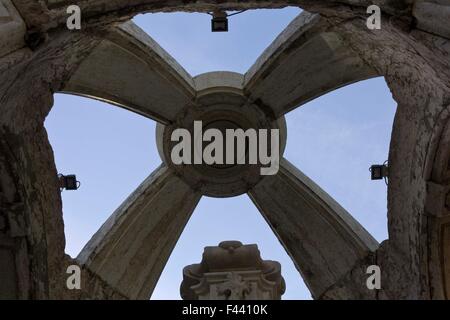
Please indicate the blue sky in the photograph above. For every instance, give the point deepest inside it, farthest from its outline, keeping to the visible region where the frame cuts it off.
(333, 139)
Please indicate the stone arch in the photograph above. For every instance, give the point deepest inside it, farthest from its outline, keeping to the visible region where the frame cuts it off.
(413, 260)
(437, 218)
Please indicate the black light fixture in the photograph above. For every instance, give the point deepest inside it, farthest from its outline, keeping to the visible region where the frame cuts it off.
(69, 182)
(379, 171)
(219, 22)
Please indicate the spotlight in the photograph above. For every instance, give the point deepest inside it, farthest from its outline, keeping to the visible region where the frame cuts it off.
(379, 171)
(219, 22)
(69, 182)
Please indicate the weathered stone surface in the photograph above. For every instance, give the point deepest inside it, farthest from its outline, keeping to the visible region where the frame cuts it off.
(353, 284)
(306, 60)
(433, 16)
(131, 70)
(91, 285)
(419, 80)
(32, 201)
(323, 239)
(414, 60)
(211, 82)
(12, 28)
(132, 247)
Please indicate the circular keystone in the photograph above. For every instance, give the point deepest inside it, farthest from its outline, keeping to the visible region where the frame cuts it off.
(232, 173)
